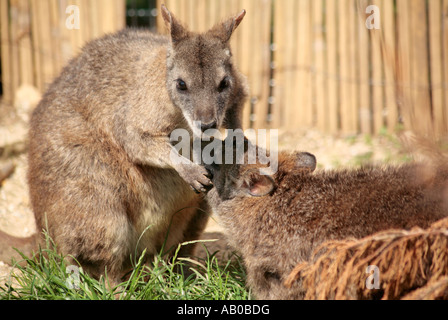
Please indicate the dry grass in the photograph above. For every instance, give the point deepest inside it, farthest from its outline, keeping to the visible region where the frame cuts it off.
(412, 264)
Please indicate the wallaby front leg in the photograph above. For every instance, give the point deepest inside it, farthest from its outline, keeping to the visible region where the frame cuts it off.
(158, 151)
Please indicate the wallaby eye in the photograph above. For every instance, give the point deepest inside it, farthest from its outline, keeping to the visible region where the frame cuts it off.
(181, 85)
(224, 84)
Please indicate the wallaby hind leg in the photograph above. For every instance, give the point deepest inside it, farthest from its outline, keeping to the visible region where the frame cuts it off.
(97, 234)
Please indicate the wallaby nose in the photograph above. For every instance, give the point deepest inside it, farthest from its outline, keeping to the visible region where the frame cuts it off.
(210, 125)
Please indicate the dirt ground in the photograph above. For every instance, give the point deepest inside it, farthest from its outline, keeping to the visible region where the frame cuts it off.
(331, 151)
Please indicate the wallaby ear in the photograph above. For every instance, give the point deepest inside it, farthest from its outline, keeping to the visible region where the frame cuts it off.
(224, 30)
(305, 160)
(177, 31)
(256, 184)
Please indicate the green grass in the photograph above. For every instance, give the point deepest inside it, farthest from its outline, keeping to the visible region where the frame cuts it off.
(46, 276)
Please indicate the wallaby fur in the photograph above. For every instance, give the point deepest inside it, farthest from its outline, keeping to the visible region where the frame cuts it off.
(276, 221)
(100, 170)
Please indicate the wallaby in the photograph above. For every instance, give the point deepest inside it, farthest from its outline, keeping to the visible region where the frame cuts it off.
(276, 221)
(100, 166)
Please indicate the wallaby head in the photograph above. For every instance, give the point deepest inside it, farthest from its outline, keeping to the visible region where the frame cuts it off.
(201, 78)
(241, 179)
(250, 181)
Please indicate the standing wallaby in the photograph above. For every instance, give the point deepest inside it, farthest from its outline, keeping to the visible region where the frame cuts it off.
(276, 221)
(100, 170)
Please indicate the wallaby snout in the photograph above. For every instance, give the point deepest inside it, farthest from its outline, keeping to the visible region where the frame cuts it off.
(206, 117)
(209, 125)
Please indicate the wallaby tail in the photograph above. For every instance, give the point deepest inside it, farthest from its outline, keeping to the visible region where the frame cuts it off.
(8, 243)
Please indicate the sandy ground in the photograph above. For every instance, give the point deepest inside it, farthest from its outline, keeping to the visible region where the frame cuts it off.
(331, 151)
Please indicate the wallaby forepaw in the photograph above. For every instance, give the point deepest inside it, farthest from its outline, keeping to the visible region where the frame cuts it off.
(198, 177)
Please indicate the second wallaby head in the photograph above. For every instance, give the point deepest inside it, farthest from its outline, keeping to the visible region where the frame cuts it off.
(201, 78)
(241, 178)
(255, 180)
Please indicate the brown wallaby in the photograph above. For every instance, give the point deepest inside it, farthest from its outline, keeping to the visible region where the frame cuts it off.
(100, 170)
(276, 221)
